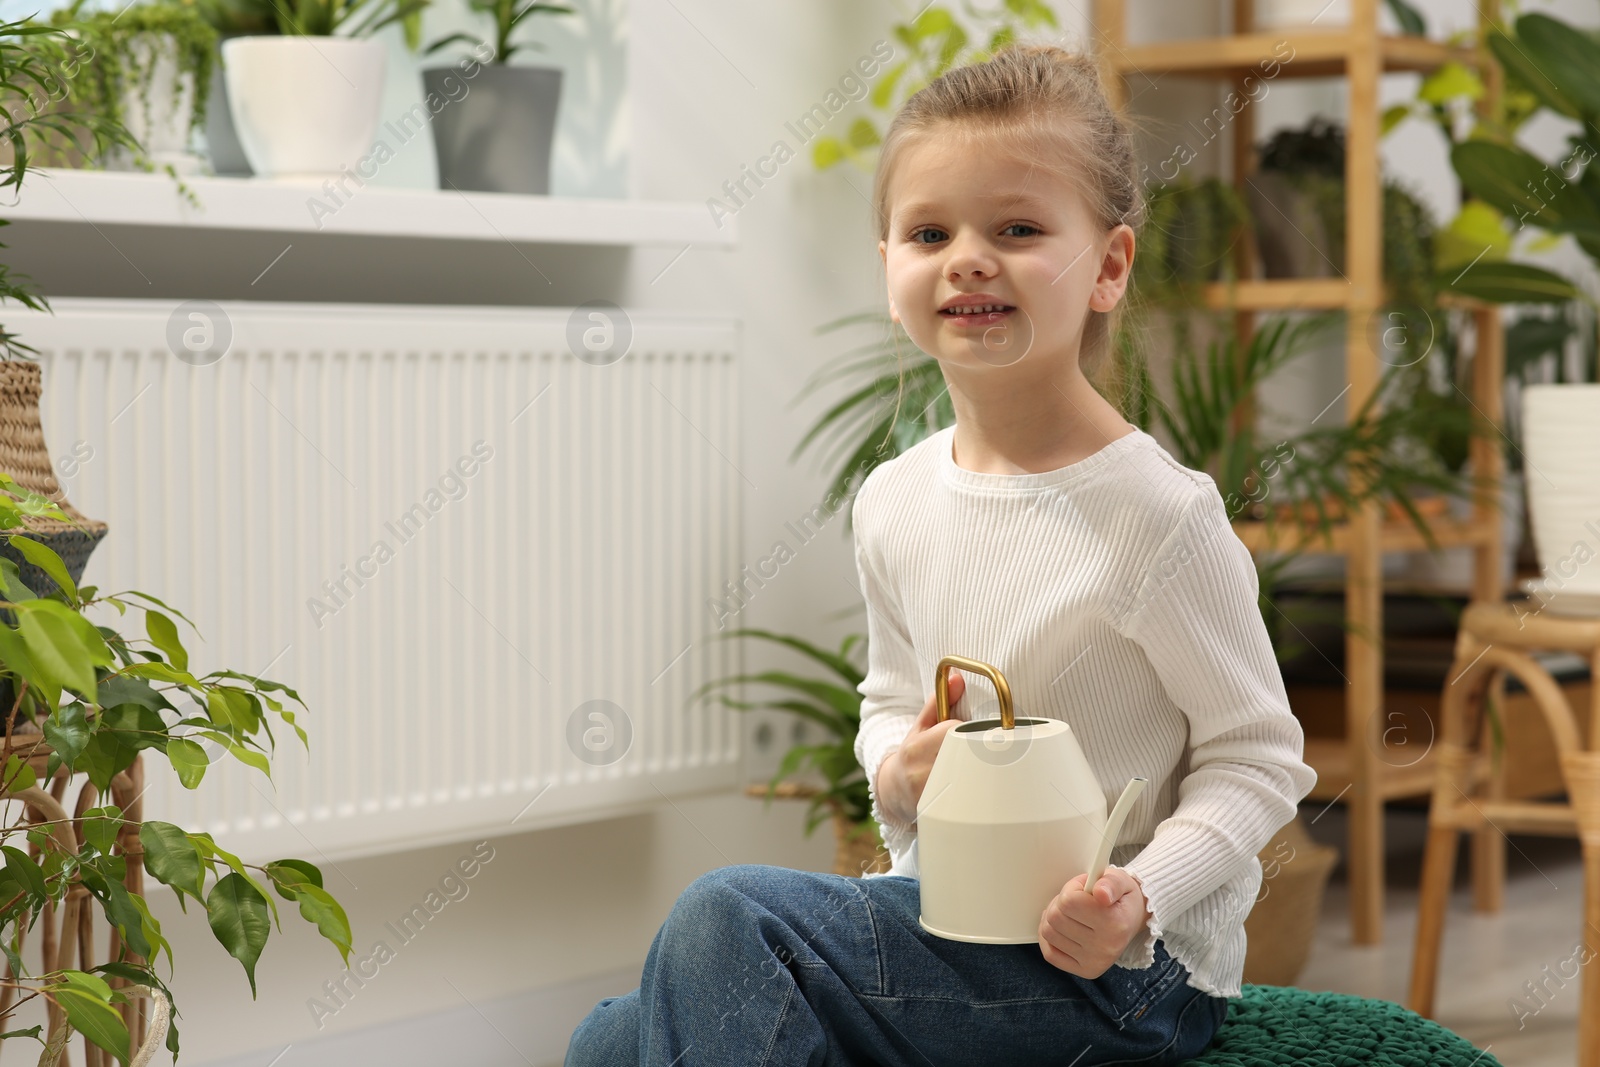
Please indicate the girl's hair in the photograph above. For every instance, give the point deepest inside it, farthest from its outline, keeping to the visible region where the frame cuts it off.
(1051, 105)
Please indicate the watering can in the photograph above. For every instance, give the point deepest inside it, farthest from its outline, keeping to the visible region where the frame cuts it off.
(1011, 812)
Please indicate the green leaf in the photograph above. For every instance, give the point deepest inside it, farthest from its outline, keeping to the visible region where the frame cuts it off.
(243, 754)
(1521, 65)
(11, 587)
(32, 1031)
(90, 1011)
(45, 558)
(1449, 82)
(18, 775)
(63, 645)
(122, 689)
(1564, 56)
(26, 871)
(1524, 189)
(162, 672)
(151, 928)
(289, 875)
(238, 916)
(164, 635)
(827, 152)
(1510, 283)
(100, 827)
(1409, 18)
(318, 906)
(172, 858)
(121, 911)
(1393, 117)
(1475, 234)
(228, 706)
(67, 731)
(188, 760)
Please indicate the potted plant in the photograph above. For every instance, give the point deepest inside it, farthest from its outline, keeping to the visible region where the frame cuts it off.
(497, 137)
(836, 709)
(1189, 229)
(147, 67)
(305, 99)
(230, 18)
(1547, 64)
(80, 697)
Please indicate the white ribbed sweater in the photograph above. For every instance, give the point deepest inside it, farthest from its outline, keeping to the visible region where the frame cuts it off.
(1111, 593)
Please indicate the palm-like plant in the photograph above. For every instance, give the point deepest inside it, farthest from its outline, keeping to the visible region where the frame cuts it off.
(834, 704)
(507, 16)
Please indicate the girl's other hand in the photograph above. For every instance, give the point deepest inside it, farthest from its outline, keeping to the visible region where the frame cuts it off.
(904, 772)
(1084, 933)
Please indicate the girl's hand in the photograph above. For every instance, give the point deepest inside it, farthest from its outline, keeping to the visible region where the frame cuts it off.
(1084, 933)
(904, 772)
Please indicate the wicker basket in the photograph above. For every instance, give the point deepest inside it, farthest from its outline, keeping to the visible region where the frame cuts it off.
(1282, 924)
(23, 455)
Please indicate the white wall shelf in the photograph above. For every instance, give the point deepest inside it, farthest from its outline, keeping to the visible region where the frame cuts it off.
(136, 199)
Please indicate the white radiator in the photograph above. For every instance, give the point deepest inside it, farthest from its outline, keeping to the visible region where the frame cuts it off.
(570, 559)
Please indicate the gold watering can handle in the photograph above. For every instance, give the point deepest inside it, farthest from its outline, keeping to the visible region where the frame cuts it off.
(941, 687)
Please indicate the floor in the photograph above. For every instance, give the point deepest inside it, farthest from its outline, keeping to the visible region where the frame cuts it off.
(1487, 959)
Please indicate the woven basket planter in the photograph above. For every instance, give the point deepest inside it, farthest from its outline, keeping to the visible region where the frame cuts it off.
(1282, 924)
(23, 455)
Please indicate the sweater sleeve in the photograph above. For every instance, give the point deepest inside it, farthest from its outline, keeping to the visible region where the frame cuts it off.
(891, 694)
(1195, 614)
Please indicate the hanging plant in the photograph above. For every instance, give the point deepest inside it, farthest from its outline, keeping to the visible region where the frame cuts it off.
(118, 54)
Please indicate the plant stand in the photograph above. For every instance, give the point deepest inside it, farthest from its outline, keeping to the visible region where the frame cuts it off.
(67, 940)
(1353, 769)
(856, 848)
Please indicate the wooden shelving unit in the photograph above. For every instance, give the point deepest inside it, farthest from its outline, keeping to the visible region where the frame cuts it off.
(1356, 770)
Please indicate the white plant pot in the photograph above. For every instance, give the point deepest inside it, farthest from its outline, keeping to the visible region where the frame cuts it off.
(162, 127)
(304, 107)
(1318, 14)
(1561, 448)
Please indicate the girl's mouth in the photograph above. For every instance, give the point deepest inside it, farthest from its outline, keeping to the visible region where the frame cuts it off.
(979, 315)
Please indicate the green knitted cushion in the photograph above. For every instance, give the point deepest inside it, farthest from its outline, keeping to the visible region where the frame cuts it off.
(1280, 1026)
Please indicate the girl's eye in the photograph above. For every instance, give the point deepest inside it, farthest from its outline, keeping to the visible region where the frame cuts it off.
(914, 238)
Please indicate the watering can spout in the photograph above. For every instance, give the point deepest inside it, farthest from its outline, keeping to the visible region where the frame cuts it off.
(1119, 814)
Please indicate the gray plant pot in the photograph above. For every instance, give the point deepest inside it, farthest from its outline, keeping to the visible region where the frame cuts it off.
(1291, 239)
(222, 142)
(496, 137)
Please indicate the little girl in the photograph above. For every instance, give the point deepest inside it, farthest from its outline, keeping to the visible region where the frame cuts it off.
(1043, 534)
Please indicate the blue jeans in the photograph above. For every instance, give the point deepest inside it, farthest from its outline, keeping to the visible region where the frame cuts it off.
(760, 966)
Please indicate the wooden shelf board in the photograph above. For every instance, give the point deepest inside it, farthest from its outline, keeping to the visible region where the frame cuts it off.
(1297, 294)
(1299, 53)
(1395, 536)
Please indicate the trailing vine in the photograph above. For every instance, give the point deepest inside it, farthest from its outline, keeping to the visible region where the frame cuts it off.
(117, 53)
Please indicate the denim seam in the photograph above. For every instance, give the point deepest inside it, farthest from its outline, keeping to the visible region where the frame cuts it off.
(1177, 1032)
(1157, 988)
(777, 1027)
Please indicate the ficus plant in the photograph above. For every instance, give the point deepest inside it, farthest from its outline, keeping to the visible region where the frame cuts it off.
(100, 698)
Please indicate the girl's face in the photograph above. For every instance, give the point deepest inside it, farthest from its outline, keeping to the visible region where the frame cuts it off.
(972, 227)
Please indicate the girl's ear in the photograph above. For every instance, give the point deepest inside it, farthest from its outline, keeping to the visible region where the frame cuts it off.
(1116, 268)
(883, 253)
